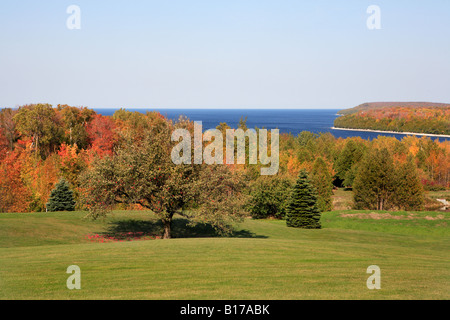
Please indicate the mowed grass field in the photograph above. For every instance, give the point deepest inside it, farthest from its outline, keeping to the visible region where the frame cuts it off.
(263, 259)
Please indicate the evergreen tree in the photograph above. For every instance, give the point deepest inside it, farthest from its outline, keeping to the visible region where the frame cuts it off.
(302, 209)
(61, 198)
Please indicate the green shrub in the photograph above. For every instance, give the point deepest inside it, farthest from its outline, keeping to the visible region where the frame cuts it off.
(268, 197)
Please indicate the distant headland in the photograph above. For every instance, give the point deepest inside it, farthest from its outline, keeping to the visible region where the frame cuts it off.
(421, 118)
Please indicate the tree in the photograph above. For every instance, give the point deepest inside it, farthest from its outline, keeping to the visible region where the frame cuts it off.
(41, 123)
(135, 123)
(322, 179)
(8, 126)
(409, 193)
(302, 209)
(102, 135)
(142, 172)
(269, 196)
(4, 145)
(61, 198)
(39, 176)
(71, 163)
(14, 196)
(374, 184)
(346, 164)
(219, 197)
(75, 122)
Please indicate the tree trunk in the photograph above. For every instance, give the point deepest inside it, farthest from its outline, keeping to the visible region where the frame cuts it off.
(167, 227)
(381, 204)
(37, 143)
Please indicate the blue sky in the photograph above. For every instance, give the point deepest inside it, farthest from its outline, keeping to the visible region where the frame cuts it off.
(223, 54)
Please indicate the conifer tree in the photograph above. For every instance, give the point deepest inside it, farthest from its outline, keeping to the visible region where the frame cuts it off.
(302, 209)
(61, 198)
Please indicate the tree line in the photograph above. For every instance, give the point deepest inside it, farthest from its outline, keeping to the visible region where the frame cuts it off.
(123, 162)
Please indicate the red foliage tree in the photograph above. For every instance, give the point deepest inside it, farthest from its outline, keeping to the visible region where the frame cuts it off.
(14, 196)
(3, 144)
(102, 136)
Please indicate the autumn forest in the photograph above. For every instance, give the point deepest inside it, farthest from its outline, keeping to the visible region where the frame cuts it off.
(40, 145)
(428, 118)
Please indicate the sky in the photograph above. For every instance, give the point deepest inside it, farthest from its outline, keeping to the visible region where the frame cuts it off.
(223, 53)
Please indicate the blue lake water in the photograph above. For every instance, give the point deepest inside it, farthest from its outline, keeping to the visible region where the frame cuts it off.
(291, 121)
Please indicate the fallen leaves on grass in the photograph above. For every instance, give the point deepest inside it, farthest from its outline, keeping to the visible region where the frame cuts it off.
(379, 215)
(120, 237)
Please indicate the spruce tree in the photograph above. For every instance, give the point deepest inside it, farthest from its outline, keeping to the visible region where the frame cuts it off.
(61, 198)
(302, 209)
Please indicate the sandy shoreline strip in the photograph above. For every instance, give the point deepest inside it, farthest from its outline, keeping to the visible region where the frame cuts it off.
(394, 132)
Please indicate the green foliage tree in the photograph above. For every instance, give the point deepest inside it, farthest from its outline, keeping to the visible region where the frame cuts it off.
(269, 196)
(346, 164)
(306, 146)
(302, 209)
(142, 172)
(374, 185)
(41, 124)
(323, 181)
(409, 193)
(223, 127)
(75, 121)
(135, 124)
(61, 198)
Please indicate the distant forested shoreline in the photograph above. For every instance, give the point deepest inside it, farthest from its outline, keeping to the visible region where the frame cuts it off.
(418, 117)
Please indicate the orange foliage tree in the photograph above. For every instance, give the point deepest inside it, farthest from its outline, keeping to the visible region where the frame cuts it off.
(102, 136)
(14, 196)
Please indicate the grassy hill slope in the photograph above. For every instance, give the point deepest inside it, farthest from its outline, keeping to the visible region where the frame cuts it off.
(261, 260)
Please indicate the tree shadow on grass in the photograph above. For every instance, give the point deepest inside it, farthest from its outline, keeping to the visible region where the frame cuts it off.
(126, 229)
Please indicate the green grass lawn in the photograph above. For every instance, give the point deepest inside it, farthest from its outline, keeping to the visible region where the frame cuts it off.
(263, 259)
